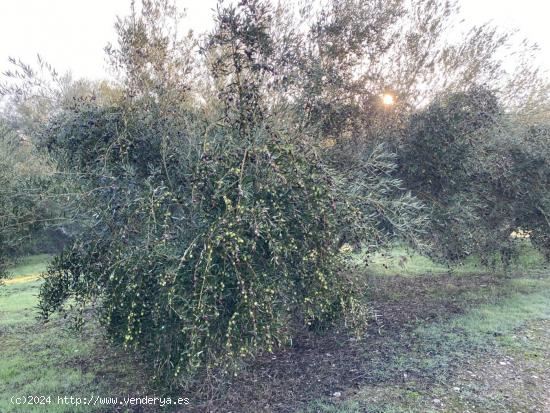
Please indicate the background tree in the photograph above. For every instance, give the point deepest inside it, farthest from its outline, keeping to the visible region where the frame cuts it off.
(32, 94)
(519, 167)
(24, 205)
(482, 173)
(337, 59)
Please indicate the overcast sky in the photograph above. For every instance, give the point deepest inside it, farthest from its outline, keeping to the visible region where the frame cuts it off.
(71, 34)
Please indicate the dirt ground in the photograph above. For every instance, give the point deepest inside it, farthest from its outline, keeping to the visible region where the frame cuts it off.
(397, 369)
(518, 381)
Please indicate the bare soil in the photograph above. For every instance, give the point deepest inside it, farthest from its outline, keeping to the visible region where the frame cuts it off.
(337, 367)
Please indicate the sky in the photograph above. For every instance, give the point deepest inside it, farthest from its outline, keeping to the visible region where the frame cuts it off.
(71, 34)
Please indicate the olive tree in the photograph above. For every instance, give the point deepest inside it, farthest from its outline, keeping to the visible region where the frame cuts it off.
(24, 179)
(483, 174)
(211, 234)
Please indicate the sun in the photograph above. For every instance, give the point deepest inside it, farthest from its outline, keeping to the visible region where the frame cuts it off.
(388, 99)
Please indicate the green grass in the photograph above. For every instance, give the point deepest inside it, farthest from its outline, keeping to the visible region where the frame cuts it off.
(504, 317)
(37, 359)
(51, 359)
(405, 262)
(32, 265)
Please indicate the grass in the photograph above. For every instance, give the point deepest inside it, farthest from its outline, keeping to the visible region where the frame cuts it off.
(405, 262)
(439, 326)
(30, 266)
(51, 359)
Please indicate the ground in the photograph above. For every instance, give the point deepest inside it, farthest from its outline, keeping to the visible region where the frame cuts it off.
(466, 339)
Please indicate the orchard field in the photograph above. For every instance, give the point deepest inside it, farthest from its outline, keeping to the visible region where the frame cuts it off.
(305, 206)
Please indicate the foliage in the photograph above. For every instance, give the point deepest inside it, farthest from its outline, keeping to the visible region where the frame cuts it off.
(384, 211)
(519, 162)
(32, 94)
(483, 175)
(47, 358)
(150, 57)
(208, 241)
(220, 183)
(24, 176)
(441, 164)
(335, 61)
